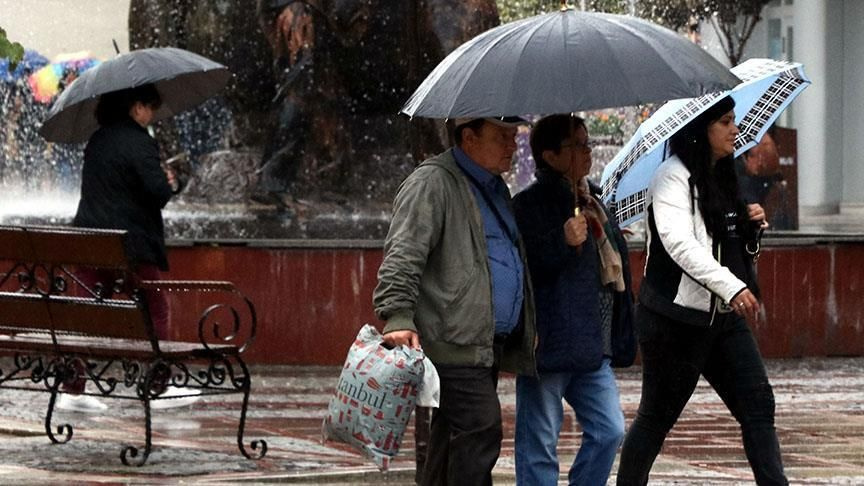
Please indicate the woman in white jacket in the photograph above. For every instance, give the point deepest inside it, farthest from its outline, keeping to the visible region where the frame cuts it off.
(696, 297)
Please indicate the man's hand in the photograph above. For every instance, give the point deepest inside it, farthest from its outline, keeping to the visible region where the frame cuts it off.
(576, 230)
(398, 338)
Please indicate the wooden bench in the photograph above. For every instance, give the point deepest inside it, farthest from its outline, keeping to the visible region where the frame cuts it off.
(53, 325)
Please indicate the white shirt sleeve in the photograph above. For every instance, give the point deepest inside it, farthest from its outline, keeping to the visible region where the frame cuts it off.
(677, 221)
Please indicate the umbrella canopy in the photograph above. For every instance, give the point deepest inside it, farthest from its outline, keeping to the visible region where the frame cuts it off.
(46, 82)
(32, 61)
(767, 89)
(184, 79)
(566, 61)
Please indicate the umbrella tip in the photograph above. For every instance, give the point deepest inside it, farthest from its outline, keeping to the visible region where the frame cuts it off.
(116, 47)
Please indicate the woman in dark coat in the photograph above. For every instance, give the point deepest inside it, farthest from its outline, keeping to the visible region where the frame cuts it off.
(584, 311)
(123, 186)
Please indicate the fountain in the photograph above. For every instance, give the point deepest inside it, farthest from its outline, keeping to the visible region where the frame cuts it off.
(302, 144)
(292, 169)
(305, 142)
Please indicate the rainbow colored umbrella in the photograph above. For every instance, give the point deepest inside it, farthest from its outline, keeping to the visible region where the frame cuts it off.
(49, 80)
(31, 62)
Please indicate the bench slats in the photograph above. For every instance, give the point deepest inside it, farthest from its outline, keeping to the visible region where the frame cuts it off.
(87, 248)
(109, 318)
(118, 319)
(15, 246)
(64, 246)
(22, 311)
(184, 285)
(111, 348)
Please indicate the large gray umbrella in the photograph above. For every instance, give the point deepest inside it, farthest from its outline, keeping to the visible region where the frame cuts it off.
(184, 79)
(567, 61)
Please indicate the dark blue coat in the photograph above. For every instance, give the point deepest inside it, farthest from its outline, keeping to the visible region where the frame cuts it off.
(124, 187)
(567, 283)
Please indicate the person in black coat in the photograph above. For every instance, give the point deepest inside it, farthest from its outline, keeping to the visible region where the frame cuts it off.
(124, 186)
(577, 259)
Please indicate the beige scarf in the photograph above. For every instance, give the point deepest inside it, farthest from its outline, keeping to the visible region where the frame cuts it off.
(610, 259)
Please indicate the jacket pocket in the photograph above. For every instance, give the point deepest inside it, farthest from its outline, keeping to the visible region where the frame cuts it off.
(461, 286)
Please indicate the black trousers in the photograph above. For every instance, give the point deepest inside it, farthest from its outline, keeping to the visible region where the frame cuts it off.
(673, 356)
(466, 433)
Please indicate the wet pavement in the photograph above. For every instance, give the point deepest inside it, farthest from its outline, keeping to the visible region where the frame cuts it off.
(820, 420)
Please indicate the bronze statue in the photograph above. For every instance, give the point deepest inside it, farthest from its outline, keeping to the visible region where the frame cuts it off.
(318, 84)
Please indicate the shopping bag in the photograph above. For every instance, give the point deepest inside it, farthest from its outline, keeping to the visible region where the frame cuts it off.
(375, 397)
(429, 390)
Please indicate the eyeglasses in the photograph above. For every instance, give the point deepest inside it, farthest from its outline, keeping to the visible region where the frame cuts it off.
(590, 144)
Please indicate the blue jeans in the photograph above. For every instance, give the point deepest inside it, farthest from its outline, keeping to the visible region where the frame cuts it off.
(539, 414)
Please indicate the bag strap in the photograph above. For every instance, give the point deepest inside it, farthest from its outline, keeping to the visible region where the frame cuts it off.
(489, 202)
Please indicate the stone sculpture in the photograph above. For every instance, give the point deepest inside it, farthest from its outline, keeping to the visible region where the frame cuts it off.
(317, 89)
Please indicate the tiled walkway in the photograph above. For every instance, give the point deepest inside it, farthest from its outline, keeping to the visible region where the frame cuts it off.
(820, 418)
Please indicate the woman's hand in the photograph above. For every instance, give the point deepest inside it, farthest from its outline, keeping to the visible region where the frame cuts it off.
(576, 230)
(755, 212)
(173, 181)
(746, 305)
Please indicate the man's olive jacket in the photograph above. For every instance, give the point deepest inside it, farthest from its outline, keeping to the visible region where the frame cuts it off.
(435, 277)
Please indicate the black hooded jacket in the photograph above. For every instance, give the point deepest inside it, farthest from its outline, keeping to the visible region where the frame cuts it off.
(124, 187)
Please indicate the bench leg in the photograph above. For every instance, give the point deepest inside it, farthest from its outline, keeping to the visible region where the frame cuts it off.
(144, 391)
(61, 371)
(255, 445)
(65, 430)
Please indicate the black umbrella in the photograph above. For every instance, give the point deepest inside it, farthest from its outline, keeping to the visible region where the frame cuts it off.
(563, 62)
(184, 79)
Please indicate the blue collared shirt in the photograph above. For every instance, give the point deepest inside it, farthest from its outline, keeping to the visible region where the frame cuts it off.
(505, 264)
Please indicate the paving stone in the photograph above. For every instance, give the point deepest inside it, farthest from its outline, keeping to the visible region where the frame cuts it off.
(820, 420)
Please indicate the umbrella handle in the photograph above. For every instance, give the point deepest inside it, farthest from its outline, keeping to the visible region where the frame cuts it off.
(576, 212)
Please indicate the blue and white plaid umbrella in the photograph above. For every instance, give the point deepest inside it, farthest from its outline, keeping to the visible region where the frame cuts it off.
(767, 88)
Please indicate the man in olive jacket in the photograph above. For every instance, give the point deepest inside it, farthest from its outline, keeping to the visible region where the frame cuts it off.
(454, 280)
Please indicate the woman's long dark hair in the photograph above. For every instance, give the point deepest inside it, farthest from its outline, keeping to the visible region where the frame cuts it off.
(717, 186)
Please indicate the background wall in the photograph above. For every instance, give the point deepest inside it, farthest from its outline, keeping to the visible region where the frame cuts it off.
(312, 301)
(853, 107)
(54, 27)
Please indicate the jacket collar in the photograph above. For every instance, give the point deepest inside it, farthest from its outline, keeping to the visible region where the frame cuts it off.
(548, 176)
(481, 175)
(445, 160)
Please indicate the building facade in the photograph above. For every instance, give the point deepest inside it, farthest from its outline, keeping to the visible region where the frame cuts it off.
(827, 37)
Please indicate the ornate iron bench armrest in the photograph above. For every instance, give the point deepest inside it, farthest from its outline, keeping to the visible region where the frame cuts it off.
(188, 285)
(210, 329)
